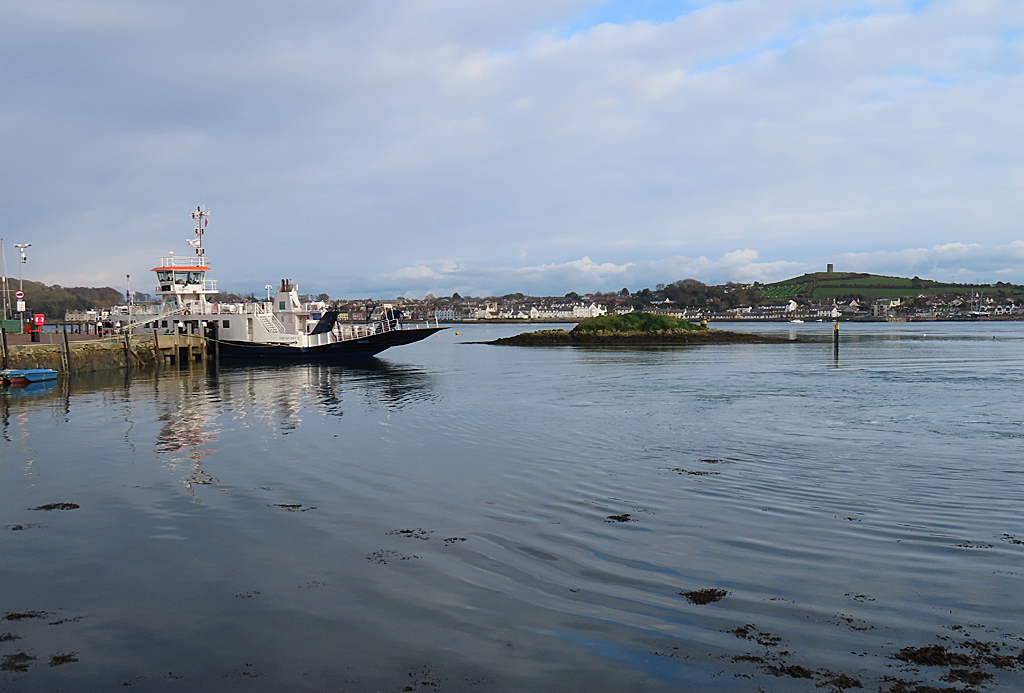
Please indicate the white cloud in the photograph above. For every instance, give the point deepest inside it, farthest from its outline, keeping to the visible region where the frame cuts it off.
(340, 141)
(968, 262)
(965, 262)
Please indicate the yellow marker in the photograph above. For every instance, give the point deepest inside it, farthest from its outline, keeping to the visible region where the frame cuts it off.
(457, 334)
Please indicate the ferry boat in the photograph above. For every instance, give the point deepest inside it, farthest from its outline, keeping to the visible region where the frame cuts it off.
(278, 328)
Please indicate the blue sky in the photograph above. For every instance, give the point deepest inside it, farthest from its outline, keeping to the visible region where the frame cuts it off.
(413, 146)
(657, 11)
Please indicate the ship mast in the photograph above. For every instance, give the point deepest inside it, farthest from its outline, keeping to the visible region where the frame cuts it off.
(199, 214)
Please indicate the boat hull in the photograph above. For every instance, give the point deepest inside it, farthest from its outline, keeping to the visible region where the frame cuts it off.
(23, 376)
(351, 348)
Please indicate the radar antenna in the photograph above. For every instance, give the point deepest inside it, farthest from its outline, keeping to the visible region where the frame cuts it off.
(199, 214)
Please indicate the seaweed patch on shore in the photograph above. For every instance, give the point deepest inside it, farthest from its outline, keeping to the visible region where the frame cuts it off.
(384, 555)
(774, 661)
(930, 667)
(245, 671)
(22, 615)
(705, 596)
(61, 659)
(851, 623)
(422, 679)
(968, 653)
(417, 533)
(58, 506)
(693, 472)
(17, 662)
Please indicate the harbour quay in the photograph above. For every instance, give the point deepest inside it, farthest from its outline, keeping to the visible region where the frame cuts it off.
(83, 354)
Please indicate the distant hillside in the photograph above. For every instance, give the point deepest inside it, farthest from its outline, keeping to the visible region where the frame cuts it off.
(54, 301)
(100, 297)
(847, 285)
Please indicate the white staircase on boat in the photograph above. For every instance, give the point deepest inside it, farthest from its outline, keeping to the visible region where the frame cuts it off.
(271, 323)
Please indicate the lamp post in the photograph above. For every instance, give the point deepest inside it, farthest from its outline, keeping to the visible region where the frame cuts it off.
(268, 287)
(128, 279)
(21, 282)
(3, 271)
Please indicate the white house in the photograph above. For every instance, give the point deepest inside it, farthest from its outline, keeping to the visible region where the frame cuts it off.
(584, 311)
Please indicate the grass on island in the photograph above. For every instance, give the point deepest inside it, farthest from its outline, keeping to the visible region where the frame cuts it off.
(634, 323)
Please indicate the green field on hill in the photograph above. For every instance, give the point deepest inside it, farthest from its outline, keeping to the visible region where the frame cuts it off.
(821, 285)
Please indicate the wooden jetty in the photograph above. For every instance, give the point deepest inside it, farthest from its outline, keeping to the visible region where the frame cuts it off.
(180, 348)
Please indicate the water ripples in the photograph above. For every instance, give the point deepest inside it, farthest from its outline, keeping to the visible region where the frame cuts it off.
(485, 510)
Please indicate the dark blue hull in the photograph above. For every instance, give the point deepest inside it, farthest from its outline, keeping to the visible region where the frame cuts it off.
(352, 348)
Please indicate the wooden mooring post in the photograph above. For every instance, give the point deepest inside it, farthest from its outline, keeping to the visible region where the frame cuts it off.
(65, 352)
(835, 341)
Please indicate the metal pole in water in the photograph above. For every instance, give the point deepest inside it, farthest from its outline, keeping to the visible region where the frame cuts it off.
(835, 341)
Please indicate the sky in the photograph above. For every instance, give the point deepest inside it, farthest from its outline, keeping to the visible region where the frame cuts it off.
(405, 147)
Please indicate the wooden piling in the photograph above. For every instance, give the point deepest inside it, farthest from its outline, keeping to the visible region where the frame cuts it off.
(65, 354)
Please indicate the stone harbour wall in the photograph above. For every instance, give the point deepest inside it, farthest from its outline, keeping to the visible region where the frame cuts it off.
(84, 356)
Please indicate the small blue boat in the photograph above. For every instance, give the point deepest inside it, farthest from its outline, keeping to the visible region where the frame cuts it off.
(20, 377)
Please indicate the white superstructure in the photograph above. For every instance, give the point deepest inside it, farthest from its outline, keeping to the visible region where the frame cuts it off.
(283, 323)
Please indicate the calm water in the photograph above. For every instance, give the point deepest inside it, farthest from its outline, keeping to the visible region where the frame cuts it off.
(438, 519)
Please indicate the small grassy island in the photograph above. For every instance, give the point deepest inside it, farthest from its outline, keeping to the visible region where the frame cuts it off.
(634, 329)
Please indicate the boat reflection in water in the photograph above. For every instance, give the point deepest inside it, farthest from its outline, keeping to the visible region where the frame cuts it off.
(273, 396)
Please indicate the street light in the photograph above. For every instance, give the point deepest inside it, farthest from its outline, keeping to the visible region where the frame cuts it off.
(21, 282)
(128, 278)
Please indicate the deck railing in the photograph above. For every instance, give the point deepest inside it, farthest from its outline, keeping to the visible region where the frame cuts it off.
(184, 262)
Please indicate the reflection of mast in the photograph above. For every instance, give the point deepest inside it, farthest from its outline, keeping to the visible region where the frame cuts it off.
(186, 429)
